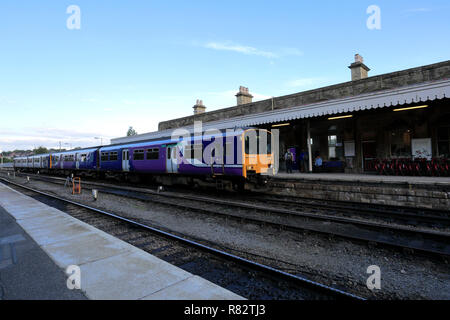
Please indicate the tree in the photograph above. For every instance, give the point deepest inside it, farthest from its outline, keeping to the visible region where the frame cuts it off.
(40, 150)
(131, 132)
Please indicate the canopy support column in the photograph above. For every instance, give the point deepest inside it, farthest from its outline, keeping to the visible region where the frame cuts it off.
(308, 129)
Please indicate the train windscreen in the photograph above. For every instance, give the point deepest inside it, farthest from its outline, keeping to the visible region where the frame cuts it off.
(258, 142)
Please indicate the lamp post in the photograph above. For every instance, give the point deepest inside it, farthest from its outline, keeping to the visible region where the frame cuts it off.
(101, 140)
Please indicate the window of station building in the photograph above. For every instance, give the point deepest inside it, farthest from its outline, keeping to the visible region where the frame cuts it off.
(113, 156)
(443, 137)
(401, 143)
(335, 145)
(153, 154)
(138, 154)
(332, 140)
(104, 156)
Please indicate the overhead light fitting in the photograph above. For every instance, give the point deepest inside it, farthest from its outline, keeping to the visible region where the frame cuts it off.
(341, 117)
(281, 125)
(411, 108)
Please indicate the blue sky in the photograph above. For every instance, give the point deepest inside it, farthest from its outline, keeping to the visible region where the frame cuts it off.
(136, 63)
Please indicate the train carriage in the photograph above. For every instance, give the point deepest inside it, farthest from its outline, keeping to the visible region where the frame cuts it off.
(232, 154)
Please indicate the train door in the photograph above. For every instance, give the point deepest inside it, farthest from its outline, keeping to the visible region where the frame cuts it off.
(97, 158)
(171, 159)
(125, 160)
(77, 161)
(369, 152)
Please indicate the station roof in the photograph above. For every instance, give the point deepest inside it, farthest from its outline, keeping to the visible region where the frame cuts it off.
(417, 93)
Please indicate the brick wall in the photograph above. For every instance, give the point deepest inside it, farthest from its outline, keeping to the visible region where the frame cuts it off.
(434, 196)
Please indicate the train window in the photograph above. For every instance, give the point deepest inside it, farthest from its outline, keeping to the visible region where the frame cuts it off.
(113, 156)
(153, 154)
(83, 158)
(253, 140)
(138, 154)
(253, 145)
(104, 156)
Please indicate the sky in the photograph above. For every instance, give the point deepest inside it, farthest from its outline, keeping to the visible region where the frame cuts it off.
(136, 63)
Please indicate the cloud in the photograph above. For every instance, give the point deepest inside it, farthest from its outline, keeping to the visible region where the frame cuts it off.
(248, 50)
(240, 49)
(28, 138)
(418, 10)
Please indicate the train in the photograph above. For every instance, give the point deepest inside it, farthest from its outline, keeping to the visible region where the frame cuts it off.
(230, 160)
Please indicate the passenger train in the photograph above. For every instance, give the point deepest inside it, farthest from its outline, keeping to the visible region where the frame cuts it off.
(246, 155)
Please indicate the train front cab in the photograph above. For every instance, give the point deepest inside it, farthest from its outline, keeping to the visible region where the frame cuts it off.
(258, 157)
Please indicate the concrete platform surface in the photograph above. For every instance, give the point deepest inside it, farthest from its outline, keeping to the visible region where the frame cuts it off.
(26, 271)
(363, 178)
(110, 268)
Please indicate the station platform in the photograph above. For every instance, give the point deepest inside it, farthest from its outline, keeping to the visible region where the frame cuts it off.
(38, 243)
(402, 191)
(352, 177)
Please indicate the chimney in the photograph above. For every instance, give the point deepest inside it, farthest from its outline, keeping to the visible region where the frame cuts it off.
(358, 68)
(243, 97)
(199, 107)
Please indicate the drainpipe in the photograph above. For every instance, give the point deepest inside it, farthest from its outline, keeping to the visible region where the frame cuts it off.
(308, 129)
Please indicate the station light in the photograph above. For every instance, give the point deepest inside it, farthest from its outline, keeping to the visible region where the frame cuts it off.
(341, 117)
(411, 108)
(281, 125)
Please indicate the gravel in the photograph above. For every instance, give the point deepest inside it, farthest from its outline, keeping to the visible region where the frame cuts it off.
(330, 260)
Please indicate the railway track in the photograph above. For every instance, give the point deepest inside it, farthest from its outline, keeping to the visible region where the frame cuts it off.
(242, 276)
(418, 217)
(333, 219)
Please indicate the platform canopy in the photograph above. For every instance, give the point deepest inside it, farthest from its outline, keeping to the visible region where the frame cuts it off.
(381, 99)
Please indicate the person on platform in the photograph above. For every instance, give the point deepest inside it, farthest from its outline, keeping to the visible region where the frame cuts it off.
(318, 164)
(303, 159)
(288, 157)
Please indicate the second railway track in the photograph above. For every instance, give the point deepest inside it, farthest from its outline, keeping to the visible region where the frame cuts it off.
(305, 217)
